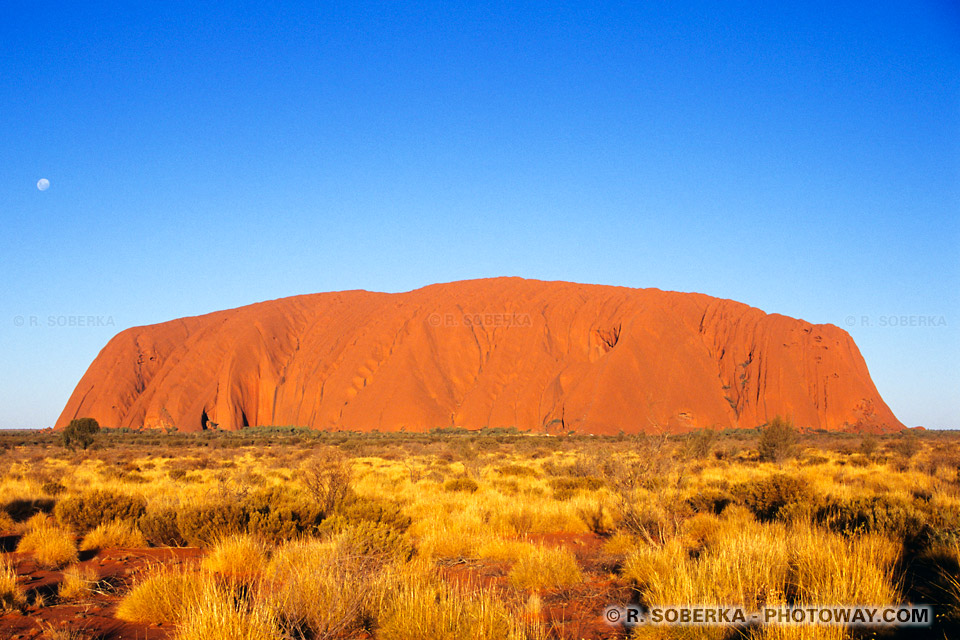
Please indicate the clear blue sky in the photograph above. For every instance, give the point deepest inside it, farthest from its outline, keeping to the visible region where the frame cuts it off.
(802, 158)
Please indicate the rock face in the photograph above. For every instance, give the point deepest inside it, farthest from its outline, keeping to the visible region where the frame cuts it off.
(546, 356)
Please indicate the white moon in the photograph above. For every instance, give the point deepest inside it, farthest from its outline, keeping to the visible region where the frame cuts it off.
(43, 184)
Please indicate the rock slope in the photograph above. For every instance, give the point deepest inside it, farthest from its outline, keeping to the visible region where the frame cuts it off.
(503, 352)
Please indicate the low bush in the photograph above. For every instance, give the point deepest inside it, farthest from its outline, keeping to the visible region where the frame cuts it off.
(204, 524)
(867, 514)
(87, 511)
(461, 484)
(518, 470)
(566, 487)
(279, 514)
(382, 511)
(378, 541)
(52, 488)
(778, 440)
(160, 527)
(710, 500)
(772, 497)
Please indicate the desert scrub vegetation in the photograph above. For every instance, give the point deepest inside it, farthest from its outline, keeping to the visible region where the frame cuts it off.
(78, 582)
(119, 533)
(52, 546)
(495, 534)
(11, 594)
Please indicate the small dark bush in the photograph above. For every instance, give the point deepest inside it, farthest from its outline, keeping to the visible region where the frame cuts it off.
(778, 440)
(700, 443)
(326, 476)
(176, 474)
(160, 528)
(462, 483)
(907, 445)
(852, 516)
(814, 460)
(80, 432)
(52, 488)
(88, 510)
(584, 483)
(710, 500)
(517, 470)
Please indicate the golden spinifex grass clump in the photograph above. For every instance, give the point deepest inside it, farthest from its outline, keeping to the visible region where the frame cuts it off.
(542, 567)
(218, 614)
(116, 534)
(11, 594)
(52, 546)
(163, 594)
(241, 556)
(753, 565)
(422, 607)
(79, 582)
(314, 586)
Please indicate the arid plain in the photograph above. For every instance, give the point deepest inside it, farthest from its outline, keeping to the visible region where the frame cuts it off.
(279, 533)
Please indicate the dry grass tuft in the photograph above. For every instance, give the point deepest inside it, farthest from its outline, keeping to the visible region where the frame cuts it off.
(316, 587)
(162, 596)
(545, 568)
(420, 608)
(220, 615)
(239, 555)
(11, 595)
(117, 534)
(78, 582)
(52, 546)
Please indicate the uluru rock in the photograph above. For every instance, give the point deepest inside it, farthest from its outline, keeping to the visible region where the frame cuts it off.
(504, 352)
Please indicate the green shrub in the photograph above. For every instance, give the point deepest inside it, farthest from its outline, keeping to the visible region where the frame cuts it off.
(278, 514)
(80, 432)
(863, 514)
(204, 524)
(389, 513)
(769, 498)
(368, 539)
(778, 440)
(87, 511)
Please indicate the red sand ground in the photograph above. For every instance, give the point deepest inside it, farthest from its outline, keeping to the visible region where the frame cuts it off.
(569, 613)
(505, 352)
(93, 615)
